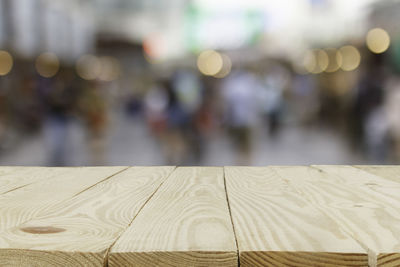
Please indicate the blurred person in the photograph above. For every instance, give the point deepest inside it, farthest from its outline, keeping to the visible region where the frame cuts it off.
(93, 107)
(203, 122)
(305, 101)
(271, 94)
(376, 135)
(166, 119)
(189, 92)
(176, 146)
(156, 102)
(27, 105)
(392, 106)
(59, 97)
(370, 118)
(133, 105)
(4, 111)
(239, 92)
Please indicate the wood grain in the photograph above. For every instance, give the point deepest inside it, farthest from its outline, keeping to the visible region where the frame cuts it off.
(276, 226)
(186, 223)
(13, 178)
(82, 228)
(388, 172)
(19, 206)
(364, 205)
(192, 216)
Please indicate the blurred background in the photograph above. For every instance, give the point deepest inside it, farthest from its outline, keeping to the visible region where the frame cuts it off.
(199, 82)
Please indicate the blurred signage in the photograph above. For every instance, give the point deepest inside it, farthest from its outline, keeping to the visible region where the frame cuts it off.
(24, 21)
(229, 28)
(318, 3)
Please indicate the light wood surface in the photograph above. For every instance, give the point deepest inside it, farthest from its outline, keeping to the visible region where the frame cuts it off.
(364, 205)
(83, 227)
(388, 172)
(186, 223)
(200, 216)
(12, 178)
(275, 226)
(25, 203)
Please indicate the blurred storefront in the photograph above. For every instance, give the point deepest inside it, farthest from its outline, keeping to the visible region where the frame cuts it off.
(176, 80)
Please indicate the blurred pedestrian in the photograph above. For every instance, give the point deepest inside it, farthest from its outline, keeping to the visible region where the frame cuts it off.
(59, 97)
(93, 107)
(241, 111)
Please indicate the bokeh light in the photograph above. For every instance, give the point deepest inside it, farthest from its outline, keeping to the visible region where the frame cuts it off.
(210, 62)
(47, 64)
(6, 63)
(349, 58)
(322, 59)
(310, 61)
(226, 67)
(110, 69)
(378, 40)
(88, 67)
(316, 61)
(334, 61)
(154, 47)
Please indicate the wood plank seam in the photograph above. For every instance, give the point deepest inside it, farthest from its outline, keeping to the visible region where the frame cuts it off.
(27, 183)
(375, 255)
(273, 238)
(16, 188)
(144, 204)
(230, 215)
(23, 222)
(372, 257)
(372, 260)
(186, 223)
(126, 186)
(105, 179)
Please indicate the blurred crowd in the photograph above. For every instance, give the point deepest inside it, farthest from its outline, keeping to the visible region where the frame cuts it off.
(31, 104)
(244, 88)
(185, 110)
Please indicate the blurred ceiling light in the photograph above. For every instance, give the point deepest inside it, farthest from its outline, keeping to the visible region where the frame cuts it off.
(378, 40)
(316, 61)
(333, 60)
(88, 67)
(226, 67)
(310, 61)
(210, 62)
(154, 47)
(47, 64)
(349, 57)
(6, 63)
(323, 60)
(110, 69)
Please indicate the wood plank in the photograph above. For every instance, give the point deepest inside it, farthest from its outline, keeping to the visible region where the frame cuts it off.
(391, 172)
(379, 190)
(26, 203)
(357, 201)
(17, 177)
(78, 231)
(4, 170)
(276, 226)
(186, 223)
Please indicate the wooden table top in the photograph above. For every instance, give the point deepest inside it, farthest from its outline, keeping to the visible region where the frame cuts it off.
(200, 216)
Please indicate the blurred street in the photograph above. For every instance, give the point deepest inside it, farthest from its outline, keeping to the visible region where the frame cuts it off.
(199, 82)
(128, 140)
